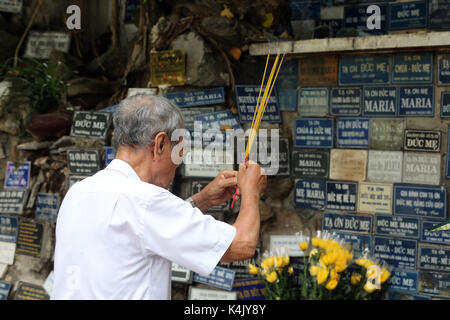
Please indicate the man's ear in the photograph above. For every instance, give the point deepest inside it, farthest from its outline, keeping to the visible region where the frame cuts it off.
(159, 142)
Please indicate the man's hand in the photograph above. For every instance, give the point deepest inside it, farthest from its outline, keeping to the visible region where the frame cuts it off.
(221, 189)
(251, 178)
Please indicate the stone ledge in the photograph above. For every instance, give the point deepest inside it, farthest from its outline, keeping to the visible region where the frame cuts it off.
(368, 43)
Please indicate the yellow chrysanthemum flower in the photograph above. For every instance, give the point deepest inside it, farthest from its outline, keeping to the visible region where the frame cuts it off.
(385, 274)
(303, 245)
(340, 266)
(322, 275)
(313, 252)
(285, 260)
(364, 262)
(313, 270)
(331, 285)
(355, 279)
(268, 262)
(290, 271)
(252, 269)
(279, 262)
(370, 287)
(272, 277)
(334, 275)
(316, 242)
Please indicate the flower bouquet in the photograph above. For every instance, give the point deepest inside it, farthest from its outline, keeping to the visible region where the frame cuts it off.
(276, 274)
(335, 271)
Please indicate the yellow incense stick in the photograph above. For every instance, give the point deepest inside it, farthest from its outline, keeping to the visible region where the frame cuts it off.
(261, 105)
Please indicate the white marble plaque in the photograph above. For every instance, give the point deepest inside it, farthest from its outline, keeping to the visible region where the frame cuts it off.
(286, 242)
(209, 294)
(421, 168)
(147, 91)
(385, 166)
(7, 251)
(41, 44)
(13, 6)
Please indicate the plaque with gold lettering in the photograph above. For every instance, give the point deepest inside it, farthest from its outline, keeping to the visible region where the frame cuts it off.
(321, 70)
(168, 68)
(29, 238)
(348, 164)
(30, 291)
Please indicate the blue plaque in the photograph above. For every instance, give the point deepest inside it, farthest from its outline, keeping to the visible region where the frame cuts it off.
(352, 133)
(221, 278)
(286, 85)
(213, 123)
(364, 69)
(304, 9)
(4, 290)
(17, 178)
(438, 237)
(47, 205)
(8, 228)
(412, 68)
(206, 97)
(313, 101)
(444, 70)
(408, 15)
(347, 222)
(403, 281)
(247, 98)
(110, 155)
(417, 101)
(445, 104)
(358, 241)
(435, 258)
(334, 25)
(399, 253)
(357, 17)
(309, 194)
(341, 195)
(249, 289)
(345, 102)
(439, 15)
(396, 226)
(314, 133)
(379, 101)
(430, 202)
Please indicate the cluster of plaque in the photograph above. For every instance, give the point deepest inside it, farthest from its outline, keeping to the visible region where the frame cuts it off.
(355, 15)
(376, 182)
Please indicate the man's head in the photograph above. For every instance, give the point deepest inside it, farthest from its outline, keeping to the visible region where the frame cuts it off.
(143, 126)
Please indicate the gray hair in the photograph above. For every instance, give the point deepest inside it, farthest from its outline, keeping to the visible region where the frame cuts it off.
(140, 118)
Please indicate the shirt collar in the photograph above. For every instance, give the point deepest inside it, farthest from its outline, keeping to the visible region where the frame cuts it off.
(124, 168)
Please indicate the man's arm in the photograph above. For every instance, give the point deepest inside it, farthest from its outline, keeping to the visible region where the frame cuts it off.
(252, 182)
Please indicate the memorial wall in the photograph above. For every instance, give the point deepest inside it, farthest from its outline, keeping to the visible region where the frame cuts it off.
(362, 151)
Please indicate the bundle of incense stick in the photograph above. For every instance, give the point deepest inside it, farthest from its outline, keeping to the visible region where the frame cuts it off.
(261, 105)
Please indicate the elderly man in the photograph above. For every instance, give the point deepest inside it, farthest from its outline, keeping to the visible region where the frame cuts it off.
(119, 230)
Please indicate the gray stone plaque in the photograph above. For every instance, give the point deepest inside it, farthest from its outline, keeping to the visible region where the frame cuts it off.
(421, 168)
(386, 134)
(385, 166)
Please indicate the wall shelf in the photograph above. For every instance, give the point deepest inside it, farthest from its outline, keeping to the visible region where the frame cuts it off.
(369, 43)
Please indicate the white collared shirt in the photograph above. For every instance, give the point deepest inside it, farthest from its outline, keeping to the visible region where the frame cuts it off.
(116, 237)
